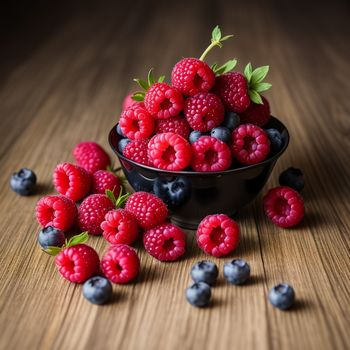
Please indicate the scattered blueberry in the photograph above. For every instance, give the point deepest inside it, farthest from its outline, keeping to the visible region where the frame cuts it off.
(282, 296)
(98, 290)
(222, 133)
(205, 271)
(122, 143)
(195, 135)
(23, 182)
(292, 177)
(236, 271)
(231, 120)
(198, 294)
(275, 139)
(119, 130)
(51, 237)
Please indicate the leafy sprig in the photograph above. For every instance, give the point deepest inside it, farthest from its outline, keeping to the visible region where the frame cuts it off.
(145, 85)
(78, 239)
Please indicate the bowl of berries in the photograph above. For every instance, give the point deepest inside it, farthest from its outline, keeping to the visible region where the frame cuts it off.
(205, 143)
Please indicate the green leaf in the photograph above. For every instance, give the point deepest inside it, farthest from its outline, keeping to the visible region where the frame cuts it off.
(138, 96)
(226, 37)
(150, 77)
(122, 198)
(255, 97)
(227, 67)
(52, 250)
(216, 34)
(214, 66)
(142, 84)
(161, 78)
(111, 196)
(248, 70)
(260, 87)
(259, 74)
(78, 239)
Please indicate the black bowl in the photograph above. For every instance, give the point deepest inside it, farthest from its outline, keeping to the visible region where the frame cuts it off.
(192, 195)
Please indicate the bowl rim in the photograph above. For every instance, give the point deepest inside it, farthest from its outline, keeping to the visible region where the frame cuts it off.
(196, 173)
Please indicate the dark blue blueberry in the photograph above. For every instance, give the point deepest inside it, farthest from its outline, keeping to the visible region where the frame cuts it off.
(222, 133)
(195, 135)
(198, 294)
(122, 143)
(275, 139)
(98, 290)
(23, 182)
(205, 271)
(236, 271)
(282, 296)
(292, 177)
(119, 130)
(51, 237)
(231, 120)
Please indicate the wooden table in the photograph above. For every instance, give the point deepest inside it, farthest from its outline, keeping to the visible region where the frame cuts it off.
(62, 81)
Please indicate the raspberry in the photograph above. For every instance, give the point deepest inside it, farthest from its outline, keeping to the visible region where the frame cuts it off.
(250, 144)
(57, 211)
(204, 111)
(217, 235)
(148, 209)
(127, 102)
(165, 242)
(210, 154)
(91, 156)
(92, 212)
(191, 76)
(163, 101)
(178, 125)
(72, 181)
(284, 206)
(136, 122)
(258, 114)
(169, 151)
(120, 264)
(232, 88)
(103, 180)
(77, 263)
(119, 226)
(137, 151)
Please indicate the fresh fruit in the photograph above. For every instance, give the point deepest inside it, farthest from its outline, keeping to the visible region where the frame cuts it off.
(217, 235)
(205, 271)
(91, 156)
(57, 211)
(257, 113)
(119, 130)
(137, 151)
(148, 209)
(97, 290)
(195, 135)
(204, 111)
(120, 264)
(221, 133)
(122, 144)
(250, 144)
(51, 237)
(165, 242)
(178, 125)
(127, 102)
(275, 139)
(72, 181)
(210, 154)
(231, 120)
(293, 178)
(282, 296)
(103, 180)
(198, 294)
(284, 206)
(236, 271)
(23, 182)
(169, 151)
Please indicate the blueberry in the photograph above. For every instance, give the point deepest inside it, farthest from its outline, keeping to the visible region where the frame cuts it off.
(195, 135)
(198, 294)
(98, 290)
(231, 120)
(122, 143)
(292, 177)
(221, 133)
(51, 237)
(236, 271)
(119, 130)
(205, 271)
(275, 139)
(282, 296)
(23, 182)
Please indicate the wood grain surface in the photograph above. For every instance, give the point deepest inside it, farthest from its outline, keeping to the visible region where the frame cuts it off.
(63, 77)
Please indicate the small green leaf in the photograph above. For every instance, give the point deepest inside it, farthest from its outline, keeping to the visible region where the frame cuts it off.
(150, 77)
(216, 34)
(214, 66)
(227, 67)
(122, 198)
(138, 96)
(52, 250)
(142, 84)
(161, 78)
(78, 239)
(226, 37)
(248, 70)
(111, 196)
(260, 87)
(255, 97)
(259, 74)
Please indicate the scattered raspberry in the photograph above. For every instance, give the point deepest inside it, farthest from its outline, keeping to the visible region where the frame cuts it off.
(57, 211)
(284, 206)
(120, 264)
(136, 122)
(127, 102)
(210, 154)
(137, 151)
(217, 235)
(103, 180)
(169, 151)
(178, 125)
(72, 181)
(250, 144)
(258, 114)
(204, 111)
(191, 76)
(148, 209)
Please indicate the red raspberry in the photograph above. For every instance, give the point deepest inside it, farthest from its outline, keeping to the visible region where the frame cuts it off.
(258, 114)
(57, 211)
(92, 211)
(218, 235)
(250, 144)
(169, 151)
(204, 111)
(284, 206)
(103, 180)
(136, 123)
(178, 125)
(91, 156)
(232, 88)
(191, 76)
(137, 151)
(127, 102)
(210, 154)
(120, 264)
(119, 226)
(148, 209)
(72, 181)
(78, 263)
(163, 101)
(165, 242)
